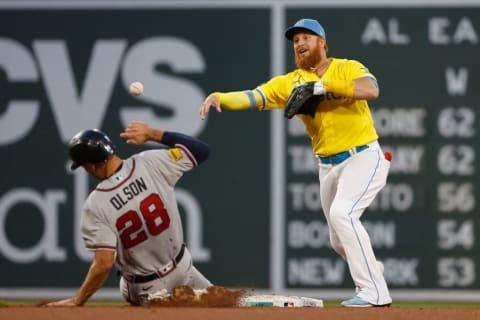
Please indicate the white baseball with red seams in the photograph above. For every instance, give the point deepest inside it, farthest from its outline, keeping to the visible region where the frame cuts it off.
(136, 88)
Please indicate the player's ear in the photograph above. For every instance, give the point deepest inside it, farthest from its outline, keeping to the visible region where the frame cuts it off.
(89, 166)
(323, 42)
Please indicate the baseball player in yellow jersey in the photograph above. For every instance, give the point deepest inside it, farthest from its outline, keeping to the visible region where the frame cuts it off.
(352, 166)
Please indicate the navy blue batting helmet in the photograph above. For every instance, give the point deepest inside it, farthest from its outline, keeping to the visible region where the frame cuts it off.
(90, 145)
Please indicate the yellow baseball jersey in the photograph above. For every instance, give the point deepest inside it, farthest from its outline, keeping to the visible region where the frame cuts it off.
(340, 123)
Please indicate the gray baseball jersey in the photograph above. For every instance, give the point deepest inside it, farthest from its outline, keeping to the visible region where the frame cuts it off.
(135, 211)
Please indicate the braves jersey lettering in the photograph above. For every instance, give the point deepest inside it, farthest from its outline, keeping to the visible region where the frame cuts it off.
(130, 226)
(130, 191)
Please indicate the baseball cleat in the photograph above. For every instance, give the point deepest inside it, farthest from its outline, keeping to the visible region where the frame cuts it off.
(357, 302)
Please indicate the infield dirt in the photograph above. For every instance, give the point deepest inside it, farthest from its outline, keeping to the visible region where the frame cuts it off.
(234, 313)
(219, 303)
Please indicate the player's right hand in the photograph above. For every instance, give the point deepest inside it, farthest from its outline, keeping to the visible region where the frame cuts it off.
(211, 101)
(70, 302)
(139, 132)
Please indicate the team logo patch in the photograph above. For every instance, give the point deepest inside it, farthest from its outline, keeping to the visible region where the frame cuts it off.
(175, 154)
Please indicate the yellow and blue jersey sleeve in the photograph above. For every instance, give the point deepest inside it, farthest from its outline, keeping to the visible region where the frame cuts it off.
(276, 92)
(355, 70)
(241, 100)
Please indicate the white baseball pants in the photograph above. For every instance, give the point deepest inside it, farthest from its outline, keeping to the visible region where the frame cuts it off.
(346, 190)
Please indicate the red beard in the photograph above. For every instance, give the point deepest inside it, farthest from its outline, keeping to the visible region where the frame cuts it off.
(309, 61)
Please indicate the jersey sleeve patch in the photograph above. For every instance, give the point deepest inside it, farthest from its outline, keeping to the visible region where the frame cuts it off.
(175, 154)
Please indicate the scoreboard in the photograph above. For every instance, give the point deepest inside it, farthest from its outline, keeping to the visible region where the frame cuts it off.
(423, 224)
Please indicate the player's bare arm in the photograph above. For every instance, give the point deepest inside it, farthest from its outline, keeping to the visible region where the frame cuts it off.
(139, 132)
(96, 276)
(210, 101)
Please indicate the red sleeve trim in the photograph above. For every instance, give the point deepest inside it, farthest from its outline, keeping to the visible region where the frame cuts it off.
(188, 153)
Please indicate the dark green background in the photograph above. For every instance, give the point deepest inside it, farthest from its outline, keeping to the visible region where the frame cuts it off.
(410, 76)
(233, 186)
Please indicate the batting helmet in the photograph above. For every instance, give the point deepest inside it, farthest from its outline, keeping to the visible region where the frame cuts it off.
(90, 145)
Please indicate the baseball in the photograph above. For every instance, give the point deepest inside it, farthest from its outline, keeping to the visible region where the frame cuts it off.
(136, 88)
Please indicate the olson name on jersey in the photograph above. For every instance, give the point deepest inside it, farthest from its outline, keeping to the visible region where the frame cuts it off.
(128, 192)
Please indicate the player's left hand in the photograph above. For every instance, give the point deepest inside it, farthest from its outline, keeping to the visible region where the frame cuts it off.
(300, 100)
(70, 302)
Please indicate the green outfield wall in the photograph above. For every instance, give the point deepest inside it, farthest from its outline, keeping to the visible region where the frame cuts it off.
(251, 213)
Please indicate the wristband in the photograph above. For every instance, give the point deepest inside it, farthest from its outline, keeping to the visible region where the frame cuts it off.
(340, 87)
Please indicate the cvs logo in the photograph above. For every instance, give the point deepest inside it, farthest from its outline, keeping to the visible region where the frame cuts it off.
(75, 109)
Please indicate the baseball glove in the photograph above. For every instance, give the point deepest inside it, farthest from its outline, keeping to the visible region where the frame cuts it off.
(301, 101)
